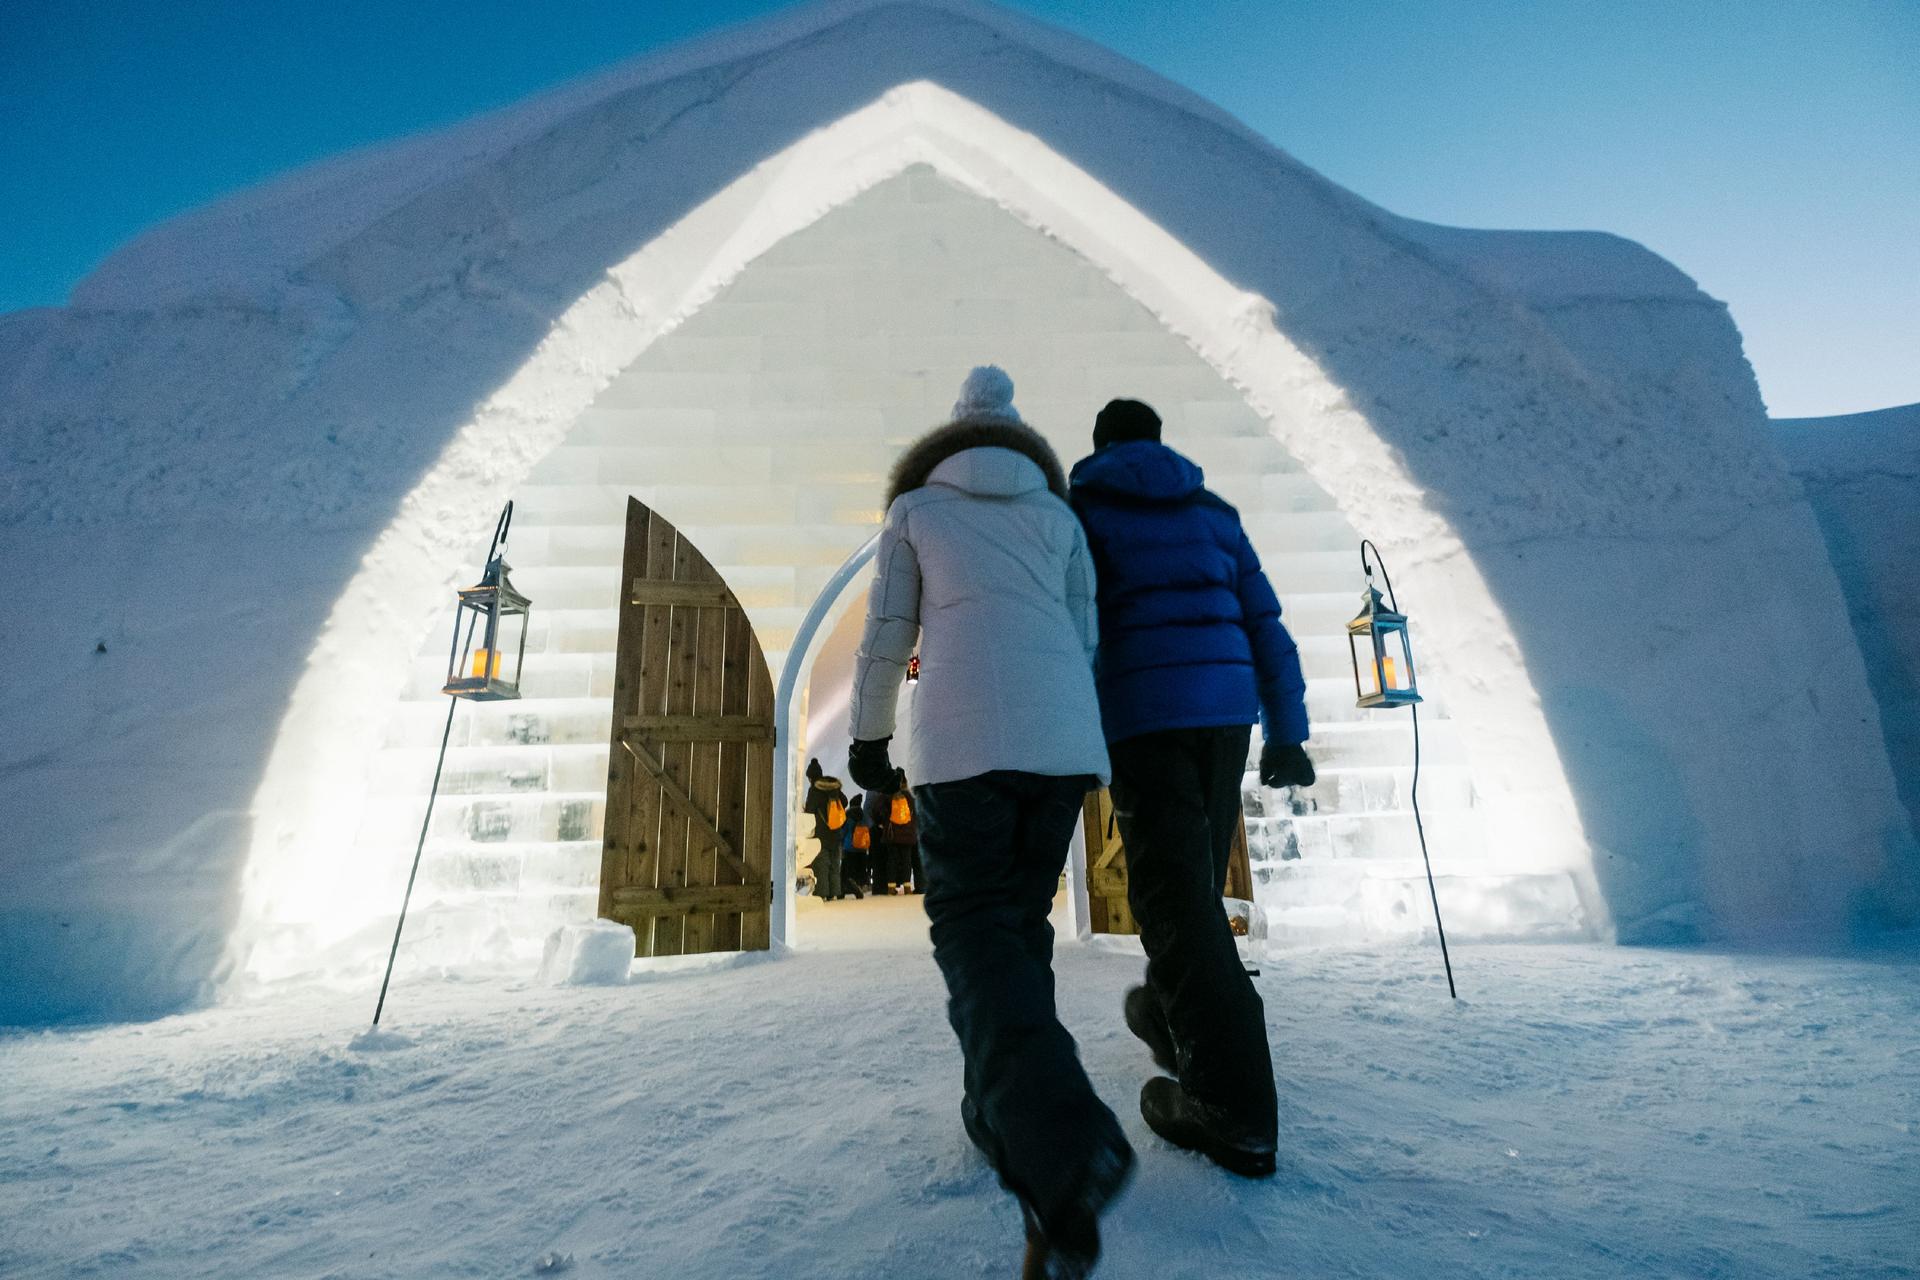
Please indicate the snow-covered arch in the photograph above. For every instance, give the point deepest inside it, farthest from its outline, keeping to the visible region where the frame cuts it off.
(308, 802)
(1560, 429)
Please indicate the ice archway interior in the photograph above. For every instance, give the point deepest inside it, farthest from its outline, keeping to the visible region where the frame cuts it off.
(750, 375)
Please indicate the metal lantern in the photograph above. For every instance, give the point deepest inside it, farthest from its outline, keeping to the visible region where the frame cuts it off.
(497, 614)
(1382, 655)
(1383, 677)
(494, 614)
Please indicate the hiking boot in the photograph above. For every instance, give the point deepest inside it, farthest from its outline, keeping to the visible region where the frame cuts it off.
(1185, 1121)
(1068, 1246)
(1148, 1021)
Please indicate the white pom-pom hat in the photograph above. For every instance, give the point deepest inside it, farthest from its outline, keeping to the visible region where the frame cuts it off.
(986, 396)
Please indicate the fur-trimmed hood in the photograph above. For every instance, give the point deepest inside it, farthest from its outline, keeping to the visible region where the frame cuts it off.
(934, 448)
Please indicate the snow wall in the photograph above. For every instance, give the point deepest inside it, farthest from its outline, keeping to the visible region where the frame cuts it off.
(1861, 472)
(232, 422)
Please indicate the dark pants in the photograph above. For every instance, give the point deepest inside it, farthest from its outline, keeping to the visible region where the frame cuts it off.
(899, 863)
(826, 868)
(853, 871)
(1176, 795)
(993, 847)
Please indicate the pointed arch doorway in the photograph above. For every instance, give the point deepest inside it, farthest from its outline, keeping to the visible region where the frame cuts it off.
(686, 856)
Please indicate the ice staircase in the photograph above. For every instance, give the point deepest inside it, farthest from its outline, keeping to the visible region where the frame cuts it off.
(514, 848)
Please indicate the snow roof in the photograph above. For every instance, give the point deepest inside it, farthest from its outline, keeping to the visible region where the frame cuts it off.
(749, 91)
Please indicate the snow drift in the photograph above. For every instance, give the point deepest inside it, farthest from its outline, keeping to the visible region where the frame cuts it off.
(241, 468)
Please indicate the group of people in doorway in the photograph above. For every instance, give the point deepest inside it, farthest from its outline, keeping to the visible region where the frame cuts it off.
(1108, 627)
(868, 843)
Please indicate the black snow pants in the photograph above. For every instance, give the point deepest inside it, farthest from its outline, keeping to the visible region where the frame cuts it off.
(826, 868)
(1176, 795)
(993, 847)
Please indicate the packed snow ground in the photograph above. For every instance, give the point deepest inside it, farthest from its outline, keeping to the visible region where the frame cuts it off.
(1582, 1112)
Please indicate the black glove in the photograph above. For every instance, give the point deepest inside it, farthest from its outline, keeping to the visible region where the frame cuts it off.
(1285, 764)
(868, 765)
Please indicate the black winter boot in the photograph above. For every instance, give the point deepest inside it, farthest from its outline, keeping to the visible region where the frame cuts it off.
(1066, 1247)
(1147, 1020)
(1183, 1120)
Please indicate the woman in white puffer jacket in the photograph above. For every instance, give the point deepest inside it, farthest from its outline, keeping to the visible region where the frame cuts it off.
(985, 567)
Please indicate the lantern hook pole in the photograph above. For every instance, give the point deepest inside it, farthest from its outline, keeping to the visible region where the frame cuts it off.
(496, 547)
(1419, 825)
(499, 543)
(446, 735)
(1392, 602)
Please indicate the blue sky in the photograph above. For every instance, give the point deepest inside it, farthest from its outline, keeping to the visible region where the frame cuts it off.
(1771, 148)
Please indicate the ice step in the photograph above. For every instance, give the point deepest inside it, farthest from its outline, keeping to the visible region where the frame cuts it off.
(532, 867)
(459, 924)
(1455, 837)
(597, 586)
(1365, 790)
(530, 722)
(496, 818)
(1221, 456)
(1293, 491)
(1319, 613)
(695, 459)
(1384, 739)
(1482, 906)
(827, 500)
(855, 455)
(721, 544)
(492, 770)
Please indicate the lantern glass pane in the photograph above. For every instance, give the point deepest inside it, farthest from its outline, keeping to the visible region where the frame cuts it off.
(1406, 662)
(509, 645)
(1393, 667)
(469, 629)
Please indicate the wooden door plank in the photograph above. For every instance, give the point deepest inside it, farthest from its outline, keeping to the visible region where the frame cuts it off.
(676, 821)
(692, 899)
(719, 727)
(616, 832)
(650, 697)
(679, 592)
(731, 817)
(756, 836)
(706, 867)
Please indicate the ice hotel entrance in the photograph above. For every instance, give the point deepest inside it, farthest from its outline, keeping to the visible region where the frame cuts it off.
(761, 429)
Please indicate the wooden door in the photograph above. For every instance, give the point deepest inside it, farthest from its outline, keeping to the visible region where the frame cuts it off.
(1107, 906)
(688, 854)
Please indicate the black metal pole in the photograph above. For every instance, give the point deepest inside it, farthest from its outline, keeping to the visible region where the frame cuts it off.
(446, 735)
(1419, 826)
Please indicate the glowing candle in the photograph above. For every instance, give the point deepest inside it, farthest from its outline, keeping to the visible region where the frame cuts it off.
(480, 663)
(1393, 681)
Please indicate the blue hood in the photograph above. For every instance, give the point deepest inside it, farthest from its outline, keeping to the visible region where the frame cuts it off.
(1143, 470)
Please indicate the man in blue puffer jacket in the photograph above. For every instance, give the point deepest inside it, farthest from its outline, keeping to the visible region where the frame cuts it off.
(1191, 652)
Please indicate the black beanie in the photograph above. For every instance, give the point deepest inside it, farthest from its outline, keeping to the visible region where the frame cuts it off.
(1124, 420)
